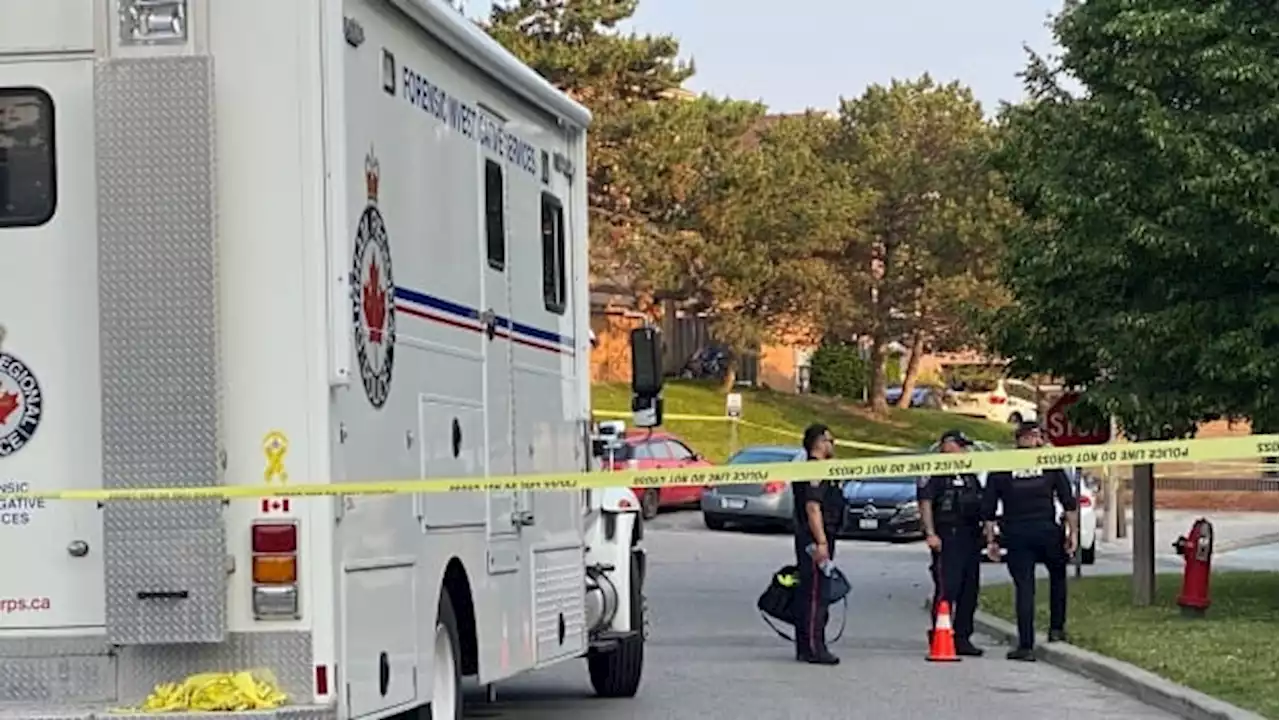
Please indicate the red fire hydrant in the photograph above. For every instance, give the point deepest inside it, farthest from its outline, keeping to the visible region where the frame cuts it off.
(1196, 550)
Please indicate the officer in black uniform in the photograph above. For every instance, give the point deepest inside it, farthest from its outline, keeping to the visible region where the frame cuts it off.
(951, 511)
(819, 511)
(1032, 535)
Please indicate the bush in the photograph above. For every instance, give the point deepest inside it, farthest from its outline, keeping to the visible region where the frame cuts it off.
(838, 369)
(893, 370)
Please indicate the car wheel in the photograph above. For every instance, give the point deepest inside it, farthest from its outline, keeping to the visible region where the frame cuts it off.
(1088, 555)
(649, 503)
(714, 522)
(1015, 418)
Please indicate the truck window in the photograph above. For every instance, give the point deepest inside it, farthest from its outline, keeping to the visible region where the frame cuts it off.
(494, 220)
(28, 189)
(553, 254)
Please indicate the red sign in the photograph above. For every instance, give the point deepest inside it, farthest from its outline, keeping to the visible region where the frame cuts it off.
(1062, 433)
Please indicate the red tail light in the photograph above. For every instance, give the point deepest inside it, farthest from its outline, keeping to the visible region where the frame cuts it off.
(997, 399)
(273, 538)
(774, 487)
(1084, 501)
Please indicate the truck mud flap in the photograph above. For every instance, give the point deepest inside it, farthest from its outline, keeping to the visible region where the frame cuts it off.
(164, 560)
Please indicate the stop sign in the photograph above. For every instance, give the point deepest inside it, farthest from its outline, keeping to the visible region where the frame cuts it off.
(1062, 433)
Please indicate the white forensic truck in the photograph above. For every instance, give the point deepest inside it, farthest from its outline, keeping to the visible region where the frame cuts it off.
(251, 243)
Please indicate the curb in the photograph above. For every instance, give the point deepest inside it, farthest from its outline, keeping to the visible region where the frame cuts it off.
(1117, 675)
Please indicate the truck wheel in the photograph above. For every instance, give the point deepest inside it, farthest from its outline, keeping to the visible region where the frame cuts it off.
(615, 673)
(446, 686)
(649, 503)
(713, 522)
(1088, 555)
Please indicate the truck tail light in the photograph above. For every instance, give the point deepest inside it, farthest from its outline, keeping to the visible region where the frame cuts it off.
(997, 399)
(1085, 501)
(773, 487)
(275, 570)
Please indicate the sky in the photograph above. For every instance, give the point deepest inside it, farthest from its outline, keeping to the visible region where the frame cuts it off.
(800, 54)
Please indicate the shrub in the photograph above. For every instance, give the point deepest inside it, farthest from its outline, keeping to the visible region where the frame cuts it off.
(838, 369)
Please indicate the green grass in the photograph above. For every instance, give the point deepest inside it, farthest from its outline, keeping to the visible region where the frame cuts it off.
(1230, 654)
(788, 414)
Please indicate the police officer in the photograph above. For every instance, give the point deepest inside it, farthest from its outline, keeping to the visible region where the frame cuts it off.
(1032, 535)
(819, 510)
(951, 511)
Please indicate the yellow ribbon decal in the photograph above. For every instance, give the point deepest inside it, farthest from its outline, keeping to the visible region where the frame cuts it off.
(274, 446)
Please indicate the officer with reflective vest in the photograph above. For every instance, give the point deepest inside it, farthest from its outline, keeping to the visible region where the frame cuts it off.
(1031, 533)
(951, 511)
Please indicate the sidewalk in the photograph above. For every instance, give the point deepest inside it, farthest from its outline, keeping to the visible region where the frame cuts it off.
(1232, 531)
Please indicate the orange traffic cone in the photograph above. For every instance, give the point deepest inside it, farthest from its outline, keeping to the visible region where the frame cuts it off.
(942, 647)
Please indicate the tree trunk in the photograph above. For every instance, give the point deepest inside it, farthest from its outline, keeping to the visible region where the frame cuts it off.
(730, 376)
(879, 405)
(912, 370)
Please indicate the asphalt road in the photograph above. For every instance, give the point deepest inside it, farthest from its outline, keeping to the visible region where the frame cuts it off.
(710, 656)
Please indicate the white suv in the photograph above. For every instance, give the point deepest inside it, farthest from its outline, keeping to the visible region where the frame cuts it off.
(1005, 400)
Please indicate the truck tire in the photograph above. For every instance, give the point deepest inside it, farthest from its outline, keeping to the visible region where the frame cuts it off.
(446, 692)
(713, 522)
(615, 673)
(1089, 554)
(650, 501)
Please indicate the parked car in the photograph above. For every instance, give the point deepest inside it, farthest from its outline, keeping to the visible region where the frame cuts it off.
(882, 509)
(756, 504)
(641, 449)
(922, 396)
(1001, 400)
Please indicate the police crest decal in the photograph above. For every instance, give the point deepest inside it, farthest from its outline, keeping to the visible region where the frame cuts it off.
(373, 294)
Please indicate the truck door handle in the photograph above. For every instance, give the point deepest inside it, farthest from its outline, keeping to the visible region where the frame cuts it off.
(523, 518)
(490, 320)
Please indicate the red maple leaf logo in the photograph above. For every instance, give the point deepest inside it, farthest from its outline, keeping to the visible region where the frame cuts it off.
(8, 403)
(375, 304)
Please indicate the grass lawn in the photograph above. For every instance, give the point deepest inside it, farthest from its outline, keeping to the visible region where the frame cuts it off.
(1230, 654)
(788, 414)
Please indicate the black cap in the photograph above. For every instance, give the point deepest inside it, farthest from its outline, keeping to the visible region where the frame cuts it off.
(1024, 428)
(956, 436)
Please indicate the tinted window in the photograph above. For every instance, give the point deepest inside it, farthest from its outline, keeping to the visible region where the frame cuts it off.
(679, 451)
(1020, 391)
(494, 217)
(28, 188)
(641, 452)
(554, 285)
(658, 450)
(749, 457)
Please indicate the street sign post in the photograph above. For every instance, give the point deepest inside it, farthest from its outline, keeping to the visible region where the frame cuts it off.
(1063, 433)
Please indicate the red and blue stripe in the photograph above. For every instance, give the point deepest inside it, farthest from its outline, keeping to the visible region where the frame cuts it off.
(446, 312)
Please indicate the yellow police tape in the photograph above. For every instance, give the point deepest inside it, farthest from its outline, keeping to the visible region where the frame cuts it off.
(746, 423)
(1163, 451)
(215, 692)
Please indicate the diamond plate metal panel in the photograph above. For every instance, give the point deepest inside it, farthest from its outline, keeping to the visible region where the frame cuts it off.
(559, 603)
(61, 671)
(158, 334)
(65, 678)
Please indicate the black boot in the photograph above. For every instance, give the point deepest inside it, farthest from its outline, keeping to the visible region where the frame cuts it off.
(966, 648)
(1023, 654)
(822, 656)
(1057, 636)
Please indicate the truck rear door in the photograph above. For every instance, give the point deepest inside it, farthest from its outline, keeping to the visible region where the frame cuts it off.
(50, 406)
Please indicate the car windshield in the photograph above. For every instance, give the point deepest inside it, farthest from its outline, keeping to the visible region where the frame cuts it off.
(748, 457)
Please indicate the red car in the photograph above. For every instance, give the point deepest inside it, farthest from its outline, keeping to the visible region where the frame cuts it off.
(643, 449)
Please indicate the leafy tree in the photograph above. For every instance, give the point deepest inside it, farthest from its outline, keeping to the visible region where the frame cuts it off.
(928, 248)
(1147, 265)
(751, 239)
(623, 79)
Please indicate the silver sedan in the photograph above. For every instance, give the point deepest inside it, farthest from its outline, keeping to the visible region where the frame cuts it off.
(765, 505)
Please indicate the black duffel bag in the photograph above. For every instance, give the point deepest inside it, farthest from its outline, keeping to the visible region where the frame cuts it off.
(779, 600)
